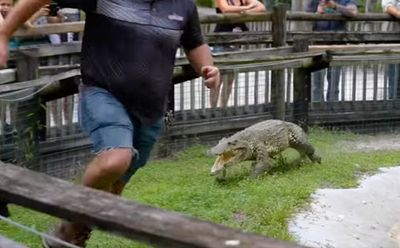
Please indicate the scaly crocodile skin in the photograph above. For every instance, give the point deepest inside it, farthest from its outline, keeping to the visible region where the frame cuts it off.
(260, 143)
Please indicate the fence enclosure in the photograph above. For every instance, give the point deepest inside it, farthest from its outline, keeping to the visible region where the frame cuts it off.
(274, 75)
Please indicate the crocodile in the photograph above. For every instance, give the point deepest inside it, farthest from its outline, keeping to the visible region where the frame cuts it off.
(260, 143)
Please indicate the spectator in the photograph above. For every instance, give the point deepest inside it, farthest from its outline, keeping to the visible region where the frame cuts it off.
(392, 7)
(346, 8)
(230, 6)
(123, 95)
(70, 15)
(5, 7)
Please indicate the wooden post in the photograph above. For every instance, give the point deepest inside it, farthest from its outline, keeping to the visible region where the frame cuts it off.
(30, 113)
(278, 76)
(301, 88)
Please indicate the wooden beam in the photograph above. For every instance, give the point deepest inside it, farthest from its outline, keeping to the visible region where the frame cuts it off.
(54, 28)
(215, 18)
(235, 18)
(279, 39)
(121, 216)
(275, 65)
(6, 243)
(39, 82)
(356, 48)
(305, 16)
(7, 75)
(341, 37)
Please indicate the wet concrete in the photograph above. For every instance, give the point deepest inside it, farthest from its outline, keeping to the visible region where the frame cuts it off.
(363, 217)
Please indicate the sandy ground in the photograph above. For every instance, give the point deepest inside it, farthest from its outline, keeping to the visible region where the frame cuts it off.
(363, 217)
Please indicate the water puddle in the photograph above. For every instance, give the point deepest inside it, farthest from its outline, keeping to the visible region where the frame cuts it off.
(363, 217)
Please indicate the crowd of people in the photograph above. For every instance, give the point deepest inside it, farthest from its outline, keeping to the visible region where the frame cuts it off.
(123, 93)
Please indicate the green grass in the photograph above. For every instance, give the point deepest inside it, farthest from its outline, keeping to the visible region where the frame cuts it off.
(262, 205)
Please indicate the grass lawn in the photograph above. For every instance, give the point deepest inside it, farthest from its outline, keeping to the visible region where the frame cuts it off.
(262, 205)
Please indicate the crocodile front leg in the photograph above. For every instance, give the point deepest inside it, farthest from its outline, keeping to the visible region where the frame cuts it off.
(262, 164)
(222, 175)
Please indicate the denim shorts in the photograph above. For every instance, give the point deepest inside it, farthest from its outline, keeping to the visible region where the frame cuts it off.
(110, 126)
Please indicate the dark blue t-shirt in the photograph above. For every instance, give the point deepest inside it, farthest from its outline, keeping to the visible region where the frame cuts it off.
(129, 48)
(328, 25)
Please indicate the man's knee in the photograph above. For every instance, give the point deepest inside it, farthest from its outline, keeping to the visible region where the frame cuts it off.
(114, 161)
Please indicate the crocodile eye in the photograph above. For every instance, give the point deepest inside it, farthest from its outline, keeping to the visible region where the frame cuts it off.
(232, 142)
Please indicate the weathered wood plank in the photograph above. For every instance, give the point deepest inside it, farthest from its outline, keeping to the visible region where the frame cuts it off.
(257, 55)
(39, 82)
(121, 216)
(295, 63)
(346, 36)
(7, 75)
(305, 16)
(340, 37)
(239, 38)
(235, 18)
(54, 28)
(215, 18)
(46, 50)
(278, 76)
(6, 243)
(356, 48)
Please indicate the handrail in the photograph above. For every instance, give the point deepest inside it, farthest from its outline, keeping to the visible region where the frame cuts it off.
(46, 29)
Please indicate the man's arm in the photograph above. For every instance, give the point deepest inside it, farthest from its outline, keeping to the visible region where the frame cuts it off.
(20, 13)
(257, 6)
(201, 60)
(41, 12)
(225, 8)
(389, 7)
(393, 11)
(349, 9)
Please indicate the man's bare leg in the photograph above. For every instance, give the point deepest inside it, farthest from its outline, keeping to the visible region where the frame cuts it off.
(106, 168)
(102, 173)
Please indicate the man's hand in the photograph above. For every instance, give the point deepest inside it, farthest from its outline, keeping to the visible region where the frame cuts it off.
(3, 51)
(211, 76)
(330, 4)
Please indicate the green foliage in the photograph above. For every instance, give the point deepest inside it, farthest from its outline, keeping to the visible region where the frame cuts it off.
(262, 205)
(205, 3)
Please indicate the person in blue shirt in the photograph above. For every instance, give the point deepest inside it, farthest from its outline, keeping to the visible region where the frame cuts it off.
(346, 8)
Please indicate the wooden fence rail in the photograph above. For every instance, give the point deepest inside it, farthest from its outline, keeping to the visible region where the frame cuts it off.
(105, 211)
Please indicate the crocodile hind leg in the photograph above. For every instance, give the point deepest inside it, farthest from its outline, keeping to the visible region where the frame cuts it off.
(305, 149)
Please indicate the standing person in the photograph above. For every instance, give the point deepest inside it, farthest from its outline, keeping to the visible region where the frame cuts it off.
(346, 8)
(392, 7)
(123, 95)
(71, 15)
(231, 6)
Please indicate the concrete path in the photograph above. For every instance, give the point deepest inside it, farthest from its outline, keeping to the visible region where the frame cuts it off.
(363, 217)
